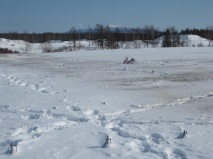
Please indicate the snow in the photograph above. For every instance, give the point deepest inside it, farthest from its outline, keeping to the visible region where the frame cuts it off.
(20, 45)
(189, 41)
(64, 105)
(14, 45)
(195, 40)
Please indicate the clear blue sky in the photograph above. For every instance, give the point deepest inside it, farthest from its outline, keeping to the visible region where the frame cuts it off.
(61, 15)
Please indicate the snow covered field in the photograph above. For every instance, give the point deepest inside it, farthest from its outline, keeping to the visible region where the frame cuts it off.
(63, 105)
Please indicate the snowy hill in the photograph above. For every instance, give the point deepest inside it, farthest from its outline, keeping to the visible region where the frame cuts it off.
(189, 41)
(194, 41)
(21, 46)
(14, 45)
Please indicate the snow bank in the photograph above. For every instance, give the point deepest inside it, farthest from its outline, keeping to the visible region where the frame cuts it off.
(58, 46)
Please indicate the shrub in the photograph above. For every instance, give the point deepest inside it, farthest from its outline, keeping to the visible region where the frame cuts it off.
(5, 51)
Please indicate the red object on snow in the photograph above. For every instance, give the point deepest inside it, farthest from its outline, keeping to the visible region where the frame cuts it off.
(126, 60)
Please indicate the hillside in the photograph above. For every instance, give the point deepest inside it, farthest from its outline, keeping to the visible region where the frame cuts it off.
(57, 45)
(195, 40)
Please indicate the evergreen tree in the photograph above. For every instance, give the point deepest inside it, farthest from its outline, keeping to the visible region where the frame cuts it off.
(167, 39)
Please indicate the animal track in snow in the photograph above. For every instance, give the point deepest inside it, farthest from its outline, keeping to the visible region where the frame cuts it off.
(22, 83)
(3, 107)
(145, 143)
(26, 133)
(57, 121)
(140, 108)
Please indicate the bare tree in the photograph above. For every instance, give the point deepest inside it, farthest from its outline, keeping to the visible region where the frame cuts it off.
(110, 38)
(175, 38)
(99, 28)
(137, 41)
(46, 47)
(117, 37)
(89, 32)
(147, 35)
(126, 33)
(74, 36)
(209, 34)
(27, 47)
(152, 32)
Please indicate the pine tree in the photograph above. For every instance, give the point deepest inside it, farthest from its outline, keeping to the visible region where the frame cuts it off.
(167, 39)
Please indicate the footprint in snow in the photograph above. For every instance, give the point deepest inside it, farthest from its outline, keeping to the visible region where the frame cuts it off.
(210, 94)
(2, 107)
(157, 138)
(179, 154)
(91, 112)
(43, 90)
(73, 108)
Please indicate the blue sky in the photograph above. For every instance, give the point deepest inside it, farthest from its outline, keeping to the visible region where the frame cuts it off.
(61, 15)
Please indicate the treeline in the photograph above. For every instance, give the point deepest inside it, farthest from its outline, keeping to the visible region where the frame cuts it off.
(172, 37)
(109, 37)
(99, 32)
(199, 32)
(36, 37)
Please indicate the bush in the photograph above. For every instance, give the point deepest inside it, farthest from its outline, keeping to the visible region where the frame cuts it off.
(200, 44)
(5, 51)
